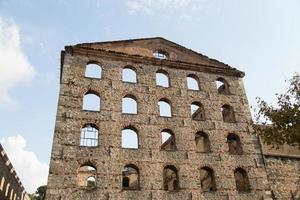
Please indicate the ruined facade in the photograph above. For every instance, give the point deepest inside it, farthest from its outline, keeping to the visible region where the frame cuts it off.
(188, 126)
(283, 169)
(11, 187)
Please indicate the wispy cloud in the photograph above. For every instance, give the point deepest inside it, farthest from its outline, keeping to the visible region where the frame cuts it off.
(31, 171)
(186, 9)
(14, 66)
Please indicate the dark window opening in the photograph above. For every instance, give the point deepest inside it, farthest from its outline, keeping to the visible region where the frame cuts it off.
(202, 142)
(170, 177)
(241, 180)
(207, 179)
(228, 113)
(125, 182)
(131, 179)
(234, 144)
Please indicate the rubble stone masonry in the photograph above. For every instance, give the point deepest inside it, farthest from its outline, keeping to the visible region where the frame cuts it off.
(224, 171)
(11, 187)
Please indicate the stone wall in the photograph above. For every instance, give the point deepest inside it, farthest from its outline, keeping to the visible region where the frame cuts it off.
(109, 157)
(11, 187)
(284, 177)
(283, 169)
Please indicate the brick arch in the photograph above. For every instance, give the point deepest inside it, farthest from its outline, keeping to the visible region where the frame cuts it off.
(130, 126)
(87, 162)
(85, 91)
(130, 67)
(88, 121)
(93, 61)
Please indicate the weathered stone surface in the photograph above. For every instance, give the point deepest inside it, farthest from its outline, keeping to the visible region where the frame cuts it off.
(283, 168)
(10, 184)
(109, 158)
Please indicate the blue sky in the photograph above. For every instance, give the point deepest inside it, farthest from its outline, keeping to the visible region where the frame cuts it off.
(258, 37)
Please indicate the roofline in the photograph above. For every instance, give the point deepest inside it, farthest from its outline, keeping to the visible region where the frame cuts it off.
(92, 52)
(152, 38)
(117, 41)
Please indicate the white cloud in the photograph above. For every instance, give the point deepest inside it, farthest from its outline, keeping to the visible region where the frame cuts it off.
(14, 66)
(31, 171)
(155, 6)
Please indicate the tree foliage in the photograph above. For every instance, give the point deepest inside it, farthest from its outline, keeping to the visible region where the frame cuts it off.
(40, 193)
(282, 121)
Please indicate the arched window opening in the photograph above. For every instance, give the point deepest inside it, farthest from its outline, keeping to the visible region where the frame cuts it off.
(227, 113)
(197, 111)
(241, 180)
(129, 105)
(2, 183)
(207, 179)
(11, 194)
(91, 102)
(168, 140)
(131, 179)
(130, 138)
(86, 176)
(170, 178)
(202, 142)
(162, 78)
(159, 54)
(93, 71)
(234, 144)
(89, 136)
(7, 189)
(192, 82)
(222, 86)
(129, 75)
(164, 108)
(91, 182)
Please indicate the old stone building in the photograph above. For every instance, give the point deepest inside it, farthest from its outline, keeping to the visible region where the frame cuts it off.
(11, 187)
(283, 169)
(150, 119)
